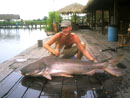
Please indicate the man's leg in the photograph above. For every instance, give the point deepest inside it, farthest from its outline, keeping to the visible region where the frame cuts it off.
(79, 54)
(69, 53)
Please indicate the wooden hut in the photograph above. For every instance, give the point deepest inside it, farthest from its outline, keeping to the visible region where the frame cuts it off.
(118, 11)
(72, 9)
(9, 16)
(118, 14)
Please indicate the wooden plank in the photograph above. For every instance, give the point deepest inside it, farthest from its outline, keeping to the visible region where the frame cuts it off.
(109, 87)
(28, 50)
(7, 84)
(124, 86)
(4, 72)
(35, 88)
(50, 96)
(53, 87)
(6, 63)
(118, 86)
(18, 65)
(87, 86)
(69, 89)
(19, 89)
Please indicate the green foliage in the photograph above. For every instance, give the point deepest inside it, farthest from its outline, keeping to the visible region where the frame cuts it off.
(46, 22)
(99, 16)
(75, 17)
(54, 17)
(26, 22)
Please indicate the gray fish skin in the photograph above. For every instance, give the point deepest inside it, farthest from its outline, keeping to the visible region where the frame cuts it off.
(54, 66)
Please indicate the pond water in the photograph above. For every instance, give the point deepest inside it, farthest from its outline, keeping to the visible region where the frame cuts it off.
(14, 41)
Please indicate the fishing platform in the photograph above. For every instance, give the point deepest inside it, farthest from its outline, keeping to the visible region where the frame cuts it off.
(100, 85)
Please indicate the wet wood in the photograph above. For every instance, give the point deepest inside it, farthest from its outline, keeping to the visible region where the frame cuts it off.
(53, 87)
(86, 86)
(69, 88)
(18, 90)
(34, 88)
(5, 72)
(7, 84)
(100, 85)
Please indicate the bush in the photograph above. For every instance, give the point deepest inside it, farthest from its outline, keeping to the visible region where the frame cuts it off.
(54, 17)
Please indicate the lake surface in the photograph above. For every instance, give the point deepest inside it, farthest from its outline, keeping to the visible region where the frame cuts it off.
(14, 41)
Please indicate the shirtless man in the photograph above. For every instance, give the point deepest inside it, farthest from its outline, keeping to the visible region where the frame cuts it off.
(70, 41)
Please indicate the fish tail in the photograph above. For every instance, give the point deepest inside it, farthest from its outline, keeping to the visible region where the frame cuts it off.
(113, 71)
(112, 68)
(116, 59)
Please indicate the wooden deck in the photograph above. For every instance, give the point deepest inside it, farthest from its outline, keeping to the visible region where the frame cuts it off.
(100, 85)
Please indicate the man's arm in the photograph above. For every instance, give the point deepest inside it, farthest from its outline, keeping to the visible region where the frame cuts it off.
(48, 44)
(83, 51)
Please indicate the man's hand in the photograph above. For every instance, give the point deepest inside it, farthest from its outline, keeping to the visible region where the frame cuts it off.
(95, 61)
(56, 53)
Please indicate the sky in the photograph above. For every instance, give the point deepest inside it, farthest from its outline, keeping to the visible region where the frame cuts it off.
(34, 9)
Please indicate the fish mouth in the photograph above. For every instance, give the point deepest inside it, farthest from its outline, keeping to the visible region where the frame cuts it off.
(21, 72)
(25, 74)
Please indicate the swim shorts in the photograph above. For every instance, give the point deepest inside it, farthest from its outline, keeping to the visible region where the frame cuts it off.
(69, 53)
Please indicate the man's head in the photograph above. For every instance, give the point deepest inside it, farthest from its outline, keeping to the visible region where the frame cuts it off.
(66, 27)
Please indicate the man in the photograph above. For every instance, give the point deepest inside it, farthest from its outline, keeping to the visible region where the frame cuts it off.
(67, 44)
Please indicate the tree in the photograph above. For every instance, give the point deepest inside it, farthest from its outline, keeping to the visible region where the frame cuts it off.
(54, 17)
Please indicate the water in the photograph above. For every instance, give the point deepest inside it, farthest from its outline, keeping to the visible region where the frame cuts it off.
(14, 41)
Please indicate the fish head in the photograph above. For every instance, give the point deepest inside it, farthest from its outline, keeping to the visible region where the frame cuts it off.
(33, 69)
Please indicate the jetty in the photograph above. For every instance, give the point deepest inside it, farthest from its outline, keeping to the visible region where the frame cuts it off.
(100, 85)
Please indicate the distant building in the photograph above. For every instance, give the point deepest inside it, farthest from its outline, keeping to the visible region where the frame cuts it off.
(9, 16)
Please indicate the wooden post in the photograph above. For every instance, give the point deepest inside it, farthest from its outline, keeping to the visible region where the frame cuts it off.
(115, 12)
(102, 22)
(95, 19)
(40, 43)
(92, 20)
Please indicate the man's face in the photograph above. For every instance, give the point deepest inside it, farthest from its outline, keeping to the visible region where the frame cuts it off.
(66, 30)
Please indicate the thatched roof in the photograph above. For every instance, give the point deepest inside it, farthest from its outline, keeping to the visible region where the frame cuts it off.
(9, 16)
(98, 4)
(72, 8)
(103, 4)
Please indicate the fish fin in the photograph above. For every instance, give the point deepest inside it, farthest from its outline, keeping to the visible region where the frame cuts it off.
(113, 71)
(116, 59)
(47, 75)
(65, 75)
(91, 72)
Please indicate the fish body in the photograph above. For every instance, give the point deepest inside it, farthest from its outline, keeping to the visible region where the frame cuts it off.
(54, 66)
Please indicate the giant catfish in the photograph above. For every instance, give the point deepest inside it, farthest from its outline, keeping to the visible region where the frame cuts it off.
(53, 66)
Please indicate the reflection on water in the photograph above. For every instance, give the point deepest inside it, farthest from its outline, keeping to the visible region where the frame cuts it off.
(52, 87)
(14, 41)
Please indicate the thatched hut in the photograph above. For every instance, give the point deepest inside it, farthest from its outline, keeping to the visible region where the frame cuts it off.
(72, 8)
(9, 16)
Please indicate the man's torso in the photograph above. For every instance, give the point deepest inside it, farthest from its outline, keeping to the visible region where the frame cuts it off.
(68, 40)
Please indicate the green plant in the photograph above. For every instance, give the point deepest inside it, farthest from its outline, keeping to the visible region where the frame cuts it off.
(54, 17)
